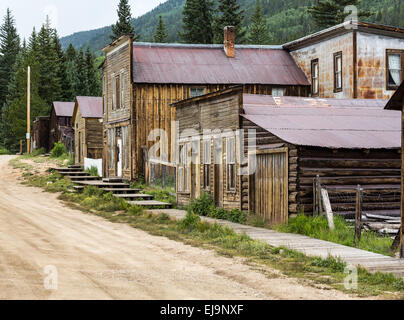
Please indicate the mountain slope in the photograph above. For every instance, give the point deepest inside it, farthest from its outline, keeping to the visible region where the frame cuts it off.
(287, 20)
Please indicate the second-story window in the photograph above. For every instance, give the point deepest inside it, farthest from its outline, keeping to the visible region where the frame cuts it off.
(123, 88)
(196, 92)
(314, 77)
(104, 93)
(118, 91)
(338, 72)
(394, 69)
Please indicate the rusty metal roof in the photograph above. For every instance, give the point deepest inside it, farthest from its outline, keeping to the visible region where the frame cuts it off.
(90, 107)
(329, 123)
(208, 64)
(63, 109)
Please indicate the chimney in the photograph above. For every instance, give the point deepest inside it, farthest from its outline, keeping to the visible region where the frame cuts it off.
(229, 42)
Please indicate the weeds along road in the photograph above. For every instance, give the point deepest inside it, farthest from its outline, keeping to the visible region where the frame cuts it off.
(96, 259)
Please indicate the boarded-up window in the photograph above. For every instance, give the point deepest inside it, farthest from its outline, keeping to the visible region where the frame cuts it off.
(207, 160)
(231, 163)
(394, 69)
(314, 77)
(338, 72)
(125, 147)
(111, 148)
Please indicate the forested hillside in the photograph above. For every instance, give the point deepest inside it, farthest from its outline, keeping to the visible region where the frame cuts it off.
(286, 20)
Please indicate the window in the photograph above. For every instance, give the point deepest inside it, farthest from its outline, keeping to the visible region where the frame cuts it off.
(123, 87)
(278, 92)
(196, 92)
(104, 93)
(118, 92)
(394, 69)
(183, 168)
(314, 77)
(338, 72)
(207, 160)
(231, 163)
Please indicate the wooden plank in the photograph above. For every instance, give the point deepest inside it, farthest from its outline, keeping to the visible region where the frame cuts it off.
(328, 209)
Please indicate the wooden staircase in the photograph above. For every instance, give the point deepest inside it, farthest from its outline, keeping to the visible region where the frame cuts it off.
(117, 186)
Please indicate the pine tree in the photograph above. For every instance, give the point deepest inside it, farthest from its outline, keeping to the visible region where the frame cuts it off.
(9, 47)
(160, 36)
(258, 30)
(327, 13)
(71, 70)
(92, 77)
(66, 88)
(123, 25)
(81, 84)
(230, 14)
(198, 22)
(50, 89)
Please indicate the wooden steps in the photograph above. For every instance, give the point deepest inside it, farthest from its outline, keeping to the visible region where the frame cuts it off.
(134, 196)
(151, 204)
(83, 178)
(121, 190)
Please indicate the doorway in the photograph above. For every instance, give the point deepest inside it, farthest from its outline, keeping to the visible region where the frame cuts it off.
(119, 157)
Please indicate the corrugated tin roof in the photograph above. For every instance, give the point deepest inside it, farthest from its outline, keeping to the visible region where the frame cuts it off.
(208, 64)
(63, 109)
(90, 107)
(329, 123)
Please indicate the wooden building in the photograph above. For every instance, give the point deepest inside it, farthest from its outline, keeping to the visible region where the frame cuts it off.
(40, 133)
(88, 127)
(397, 103)
(141, 80)
(352, 60)
(261, 153)
(60, 125)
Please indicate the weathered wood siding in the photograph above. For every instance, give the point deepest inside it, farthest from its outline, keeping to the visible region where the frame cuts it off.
(152, 109)
(373, 169)
(220, 113)
(117, 62)
(93, 134)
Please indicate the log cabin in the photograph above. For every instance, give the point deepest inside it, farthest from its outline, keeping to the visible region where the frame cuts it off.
(60, 125)
(141, 80)
(260, 153)
(88, 127)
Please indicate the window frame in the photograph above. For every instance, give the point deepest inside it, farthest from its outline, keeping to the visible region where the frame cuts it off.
(231, 165)
(313, 63)
(336, 88)
(123, 88)
(183, 179)
(199, 89)
(276, 96)
(207, 161)
(394, 52)
(117, 80)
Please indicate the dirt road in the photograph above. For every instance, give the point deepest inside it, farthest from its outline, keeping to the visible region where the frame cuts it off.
(90, 258)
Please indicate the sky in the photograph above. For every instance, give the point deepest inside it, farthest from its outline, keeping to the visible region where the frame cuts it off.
(69, 16)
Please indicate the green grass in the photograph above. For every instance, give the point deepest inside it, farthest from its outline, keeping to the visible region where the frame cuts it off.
(93, 171)
(317, 227)
(159, 193)
(223, 240)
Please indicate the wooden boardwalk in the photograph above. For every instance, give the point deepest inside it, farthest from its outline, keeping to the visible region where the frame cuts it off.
(373, 262)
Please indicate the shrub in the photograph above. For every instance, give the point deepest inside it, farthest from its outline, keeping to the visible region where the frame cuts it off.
(93, 171)
(38, 152)
(58, 150)
(190, 222)
(203, 205)
(4, 151)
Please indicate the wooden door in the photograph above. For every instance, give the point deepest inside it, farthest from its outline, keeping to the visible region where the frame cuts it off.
(269, 186)
(119, 157)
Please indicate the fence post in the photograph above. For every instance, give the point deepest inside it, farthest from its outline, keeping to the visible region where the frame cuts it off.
(358, 215)
(318, 192)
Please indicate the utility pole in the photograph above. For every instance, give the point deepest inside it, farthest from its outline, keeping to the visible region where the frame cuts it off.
(29, 111)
